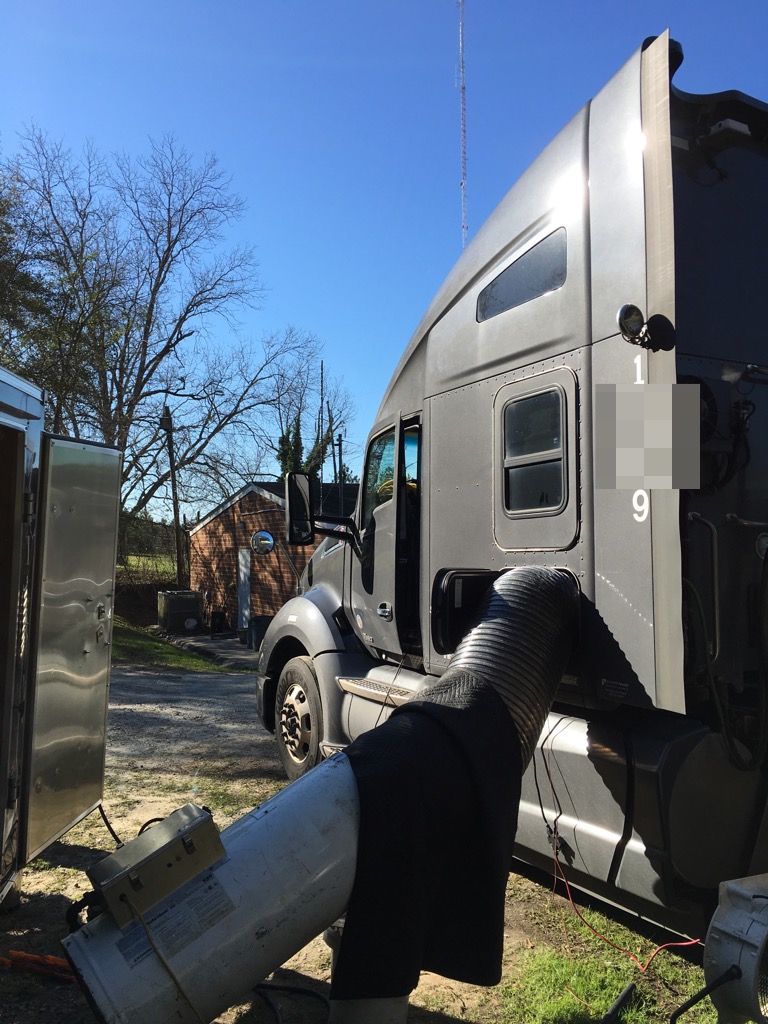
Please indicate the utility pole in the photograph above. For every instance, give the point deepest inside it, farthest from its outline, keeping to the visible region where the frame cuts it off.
(339, 442)
(166, 424)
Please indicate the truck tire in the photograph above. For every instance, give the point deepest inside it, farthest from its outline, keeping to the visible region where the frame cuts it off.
(298, 718)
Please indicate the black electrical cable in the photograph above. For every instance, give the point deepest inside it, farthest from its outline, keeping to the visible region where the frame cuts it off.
(619, 1004)
(756, 756)
(299, 990)
(270, 1003)
(74, 910)
(732, 974)
(740, 454)
(556, 800)
(156, 821)
(146, 825)
(108, 824)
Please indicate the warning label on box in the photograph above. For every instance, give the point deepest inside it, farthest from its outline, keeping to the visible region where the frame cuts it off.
(178, 920)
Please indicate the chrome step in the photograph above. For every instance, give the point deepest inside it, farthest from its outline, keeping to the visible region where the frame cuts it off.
(371, 689)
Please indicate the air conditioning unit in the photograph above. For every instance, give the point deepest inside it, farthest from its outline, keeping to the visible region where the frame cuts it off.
(179, 611)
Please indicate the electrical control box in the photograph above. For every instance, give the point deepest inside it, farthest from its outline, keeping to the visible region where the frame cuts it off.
(156, 863)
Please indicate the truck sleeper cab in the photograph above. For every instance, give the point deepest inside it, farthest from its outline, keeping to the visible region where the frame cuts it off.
(510, 435)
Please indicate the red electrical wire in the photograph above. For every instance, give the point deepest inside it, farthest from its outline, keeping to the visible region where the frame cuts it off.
(643, 966)
(559, 871)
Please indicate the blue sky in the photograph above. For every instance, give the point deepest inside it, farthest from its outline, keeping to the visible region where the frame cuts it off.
(339, 122)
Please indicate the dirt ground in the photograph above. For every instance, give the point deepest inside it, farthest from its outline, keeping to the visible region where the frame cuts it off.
(172, 738)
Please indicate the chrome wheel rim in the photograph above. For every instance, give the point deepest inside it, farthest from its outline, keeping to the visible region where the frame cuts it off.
(296, 723)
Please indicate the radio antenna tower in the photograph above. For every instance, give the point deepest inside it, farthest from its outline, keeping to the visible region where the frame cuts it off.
(463, 105)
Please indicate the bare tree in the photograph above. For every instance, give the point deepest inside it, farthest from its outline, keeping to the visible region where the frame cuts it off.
(22, 296)
(307, 417)
(140, 288)
(222, 414)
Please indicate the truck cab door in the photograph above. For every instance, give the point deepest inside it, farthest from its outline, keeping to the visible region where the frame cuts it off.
(78, 505)
(385, 574)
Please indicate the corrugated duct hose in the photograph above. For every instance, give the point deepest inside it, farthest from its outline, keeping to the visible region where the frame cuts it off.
(439, 787)
(527, 631)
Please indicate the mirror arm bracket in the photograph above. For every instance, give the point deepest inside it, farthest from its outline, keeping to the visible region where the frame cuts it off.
(348, 535)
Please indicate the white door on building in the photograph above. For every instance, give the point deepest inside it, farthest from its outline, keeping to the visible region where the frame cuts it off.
(243, 587)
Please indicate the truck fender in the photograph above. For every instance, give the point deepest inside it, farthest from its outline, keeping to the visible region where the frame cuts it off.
(305, 626)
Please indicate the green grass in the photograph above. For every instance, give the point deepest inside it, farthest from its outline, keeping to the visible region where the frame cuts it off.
(147, 568)
(224, 795)
(134, 646)
(165, 564)
(576, 980)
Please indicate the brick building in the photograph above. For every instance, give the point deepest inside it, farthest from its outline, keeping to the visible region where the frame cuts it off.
(235, 581)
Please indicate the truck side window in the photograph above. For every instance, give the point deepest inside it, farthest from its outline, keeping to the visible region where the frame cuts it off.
(379, 475)
(409, 518)
(411, 457)
(540, 270)
(534, 464)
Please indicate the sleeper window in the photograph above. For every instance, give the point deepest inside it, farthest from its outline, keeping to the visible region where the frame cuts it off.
(534, 464)
(540, 270)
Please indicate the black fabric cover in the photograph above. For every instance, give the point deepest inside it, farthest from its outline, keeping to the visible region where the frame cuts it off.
(439, 787)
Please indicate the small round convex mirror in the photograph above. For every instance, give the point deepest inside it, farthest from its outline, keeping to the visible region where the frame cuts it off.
(631, 322)
(262, 542)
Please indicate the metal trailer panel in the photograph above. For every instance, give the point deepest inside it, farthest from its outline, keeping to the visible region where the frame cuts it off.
(78, 515)
(21, 414)
(20, 401)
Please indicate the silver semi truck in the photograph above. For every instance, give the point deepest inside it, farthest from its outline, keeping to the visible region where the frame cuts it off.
(492, 449)
(59, 503)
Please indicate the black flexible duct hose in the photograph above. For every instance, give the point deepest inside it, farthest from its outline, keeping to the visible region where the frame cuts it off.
(526, 633)
(444, 773)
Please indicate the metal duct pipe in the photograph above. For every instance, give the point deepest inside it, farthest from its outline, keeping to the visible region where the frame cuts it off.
(290, 864)
(288, 874)
(521, 644)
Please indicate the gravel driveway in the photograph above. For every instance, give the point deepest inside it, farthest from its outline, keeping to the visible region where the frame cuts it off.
(183, 719)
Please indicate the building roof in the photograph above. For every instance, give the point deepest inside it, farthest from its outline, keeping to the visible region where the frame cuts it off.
(336, 504)
(274, 492)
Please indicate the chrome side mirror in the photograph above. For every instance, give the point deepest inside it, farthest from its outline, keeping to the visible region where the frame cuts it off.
(632, 325)
(262, 542)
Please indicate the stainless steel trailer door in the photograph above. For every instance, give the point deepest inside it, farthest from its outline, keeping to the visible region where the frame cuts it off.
(77, 530)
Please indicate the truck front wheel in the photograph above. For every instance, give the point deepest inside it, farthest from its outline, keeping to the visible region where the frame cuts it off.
(298, 717)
